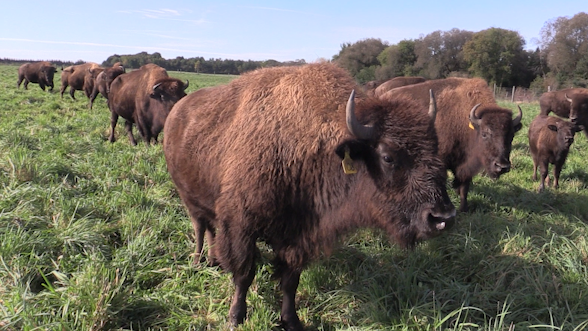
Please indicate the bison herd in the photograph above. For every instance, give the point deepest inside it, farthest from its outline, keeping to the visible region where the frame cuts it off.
(298, 156)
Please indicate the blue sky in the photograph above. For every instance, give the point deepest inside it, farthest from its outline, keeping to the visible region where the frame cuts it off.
(249, 30)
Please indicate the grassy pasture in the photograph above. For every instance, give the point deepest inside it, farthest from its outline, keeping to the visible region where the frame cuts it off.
(94, 237)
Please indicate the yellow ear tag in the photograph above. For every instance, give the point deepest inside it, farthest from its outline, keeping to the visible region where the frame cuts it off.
(348, 166)
(472, 126)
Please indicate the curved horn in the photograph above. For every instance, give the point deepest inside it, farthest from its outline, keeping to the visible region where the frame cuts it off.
(432, 106)
(568, 99)
(187, 84)
(473, 118)
(357, 129)
(517, 120)
(156, 86)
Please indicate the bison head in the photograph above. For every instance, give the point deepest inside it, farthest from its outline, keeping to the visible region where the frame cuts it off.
(47, 74)
(169, 90)
(399, 151)
(495, 130)
(578, 108)
(565, 133)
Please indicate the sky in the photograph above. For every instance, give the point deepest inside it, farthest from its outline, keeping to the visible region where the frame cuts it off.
(250, 30)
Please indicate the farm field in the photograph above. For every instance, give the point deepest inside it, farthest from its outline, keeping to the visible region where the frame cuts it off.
(94, 237)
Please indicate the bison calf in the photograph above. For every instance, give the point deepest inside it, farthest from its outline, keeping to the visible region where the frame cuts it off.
(568, 103)
(550, 139)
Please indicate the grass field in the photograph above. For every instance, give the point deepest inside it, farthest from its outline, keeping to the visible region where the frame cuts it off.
(94, 237)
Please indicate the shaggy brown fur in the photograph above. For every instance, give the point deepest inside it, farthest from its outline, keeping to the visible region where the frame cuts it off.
(74, 77)
(576, 111)
(395, 83)
(103, 80)
(260, 158)
(143, 97)
(550, 139)
(466, 151)
(38, 72)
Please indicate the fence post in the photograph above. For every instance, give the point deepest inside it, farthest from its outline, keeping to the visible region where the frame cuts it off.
(513, 93)
(494, 92)
(549, 88)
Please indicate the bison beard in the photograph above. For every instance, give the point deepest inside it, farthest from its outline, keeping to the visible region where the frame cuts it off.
(260, 159)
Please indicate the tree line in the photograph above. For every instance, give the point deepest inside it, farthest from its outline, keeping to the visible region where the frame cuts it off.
(495, 54)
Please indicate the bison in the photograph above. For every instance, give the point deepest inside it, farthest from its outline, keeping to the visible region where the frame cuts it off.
(38, 72)
(474, 132)
(550, 139)
(569, 103)
(395, 83)
(103, 80)
(75, 76)
(288, 156)
(144, 97)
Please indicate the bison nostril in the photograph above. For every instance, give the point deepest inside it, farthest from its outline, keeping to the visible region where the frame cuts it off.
(442, 220)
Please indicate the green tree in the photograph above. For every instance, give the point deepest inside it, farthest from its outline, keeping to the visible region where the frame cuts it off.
(494, 54)
(363, 54)
(564, 42)
(399, 59)
(440, 53)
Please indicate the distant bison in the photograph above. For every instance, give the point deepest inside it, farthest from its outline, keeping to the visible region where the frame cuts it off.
(474, 132)
(261, 159)
(74, 77)
(144, 97)
(395, 83)
(103, 80)
(550, 139)
(38, 72)
(569, 103)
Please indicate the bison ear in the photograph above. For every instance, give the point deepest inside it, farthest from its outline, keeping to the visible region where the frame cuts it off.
(356, 149)
(552, 127)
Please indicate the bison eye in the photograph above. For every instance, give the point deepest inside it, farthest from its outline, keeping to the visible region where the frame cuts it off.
(387, 159)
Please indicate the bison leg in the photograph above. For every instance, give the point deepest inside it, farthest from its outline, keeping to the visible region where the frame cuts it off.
(71, 92)
(129, 129)
(556, 171)
(289, 285)
(462, 188)
(42, 85)
(26, 84)
(113, 121)
(92, 98)
(62, 89)
(20, 78)
(543, 169)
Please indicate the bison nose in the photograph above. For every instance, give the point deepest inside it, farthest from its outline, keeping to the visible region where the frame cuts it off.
(569, 140)
(502, 167)
(442, 220)
(573, 119)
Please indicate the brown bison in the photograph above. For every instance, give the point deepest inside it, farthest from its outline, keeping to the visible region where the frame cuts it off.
(395, 83)
(550, 139)
(569, 103)
(38, 72)
(261, 158)
(103, 80)
(474, 132)
(144, 97)
(74, 77)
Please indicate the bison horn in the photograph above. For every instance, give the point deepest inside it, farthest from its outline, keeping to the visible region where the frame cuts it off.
(569, 100)
(187, 84)
(432, 106)
(517, 120)
(357, 129)
(473, 118)
(156, 86)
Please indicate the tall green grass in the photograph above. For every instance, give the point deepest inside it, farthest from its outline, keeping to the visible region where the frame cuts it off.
(94, 237)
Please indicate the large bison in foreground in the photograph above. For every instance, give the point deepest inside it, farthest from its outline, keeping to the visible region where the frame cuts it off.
(261, 159)
(474, 133)
(143, 97)
(550, 139)
(103, 80)
(74, 77)
(38, 72)
(569, 103)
